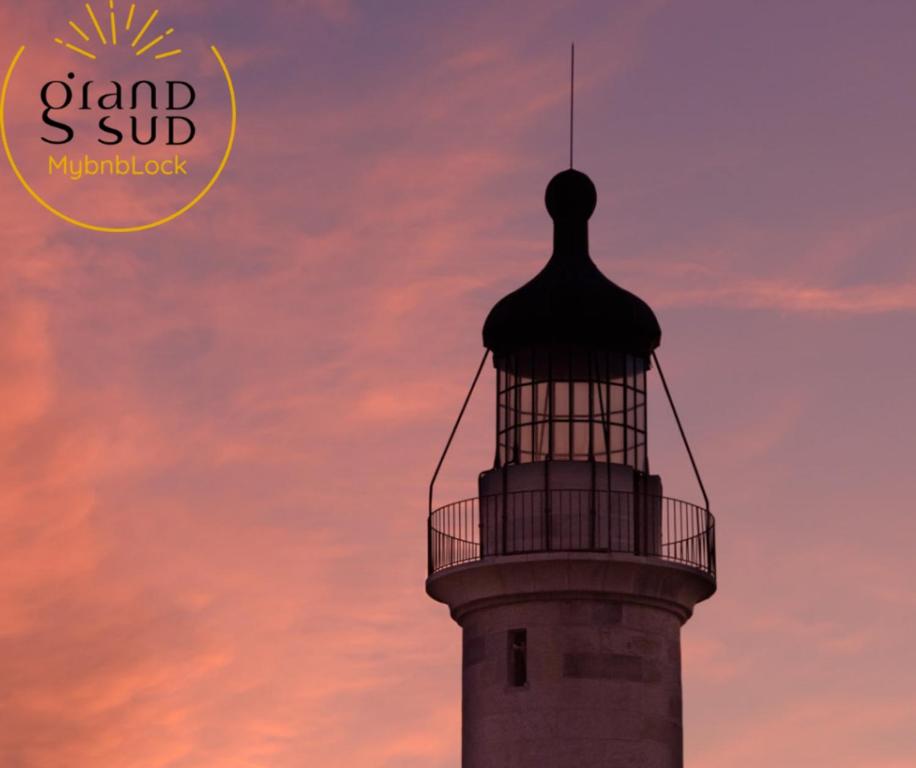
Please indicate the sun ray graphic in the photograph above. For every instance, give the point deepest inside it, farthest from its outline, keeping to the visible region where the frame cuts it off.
(155, 42)
(112, 38)
(95, 23)
(143, 29)
(79, 31)
(114, 23)
(75, 48)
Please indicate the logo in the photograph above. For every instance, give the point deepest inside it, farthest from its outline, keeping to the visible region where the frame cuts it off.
(121, 123)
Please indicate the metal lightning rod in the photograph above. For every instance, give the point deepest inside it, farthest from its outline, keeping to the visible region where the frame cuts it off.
(572, 101)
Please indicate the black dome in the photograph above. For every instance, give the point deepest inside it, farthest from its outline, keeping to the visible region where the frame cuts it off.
(570, 196)
(570, 302)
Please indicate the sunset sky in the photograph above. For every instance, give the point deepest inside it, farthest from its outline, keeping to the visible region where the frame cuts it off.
(215, 437)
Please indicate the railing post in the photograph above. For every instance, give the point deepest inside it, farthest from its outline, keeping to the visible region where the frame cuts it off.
(637, 514)
(429, 544)
(505, 519)
(480, 527)
(711, 543)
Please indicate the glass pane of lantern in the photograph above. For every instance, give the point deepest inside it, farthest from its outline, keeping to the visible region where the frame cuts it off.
(525, 403)
(560, 399)
(526, 434)
(599, 401)
(616, 397)
(580, 399)
(580, 440)
(598, 441)
(543, 406)
(561, 440)
(510, 414)
(616, 437)
(540, 440)
(639, 392)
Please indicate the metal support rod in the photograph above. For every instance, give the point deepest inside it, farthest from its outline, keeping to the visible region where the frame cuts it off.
(680, 427)
(432, 483)
(572, 102)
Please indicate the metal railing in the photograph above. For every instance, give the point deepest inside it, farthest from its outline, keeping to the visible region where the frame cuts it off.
(563, 520)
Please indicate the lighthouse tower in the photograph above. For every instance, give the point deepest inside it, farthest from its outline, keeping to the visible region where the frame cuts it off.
(571, 573)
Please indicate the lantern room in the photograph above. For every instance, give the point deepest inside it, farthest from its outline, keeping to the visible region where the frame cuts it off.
(571, 351)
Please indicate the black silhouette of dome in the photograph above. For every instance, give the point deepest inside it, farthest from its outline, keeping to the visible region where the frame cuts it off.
(570, 302)
(571, 196)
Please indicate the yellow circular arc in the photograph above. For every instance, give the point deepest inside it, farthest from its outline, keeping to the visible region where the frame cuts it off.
(140, 227)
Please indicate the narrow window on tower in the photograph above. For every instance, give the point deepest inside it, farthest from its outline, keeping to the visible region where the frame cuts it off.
(518, 658)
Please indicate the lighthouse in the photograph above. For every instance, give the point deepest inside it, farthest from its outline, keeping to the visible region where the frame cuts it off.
(571, 572)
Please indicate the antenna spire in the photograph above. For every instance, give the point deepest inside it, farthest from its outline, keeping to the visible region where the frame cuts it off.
(572, 101)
